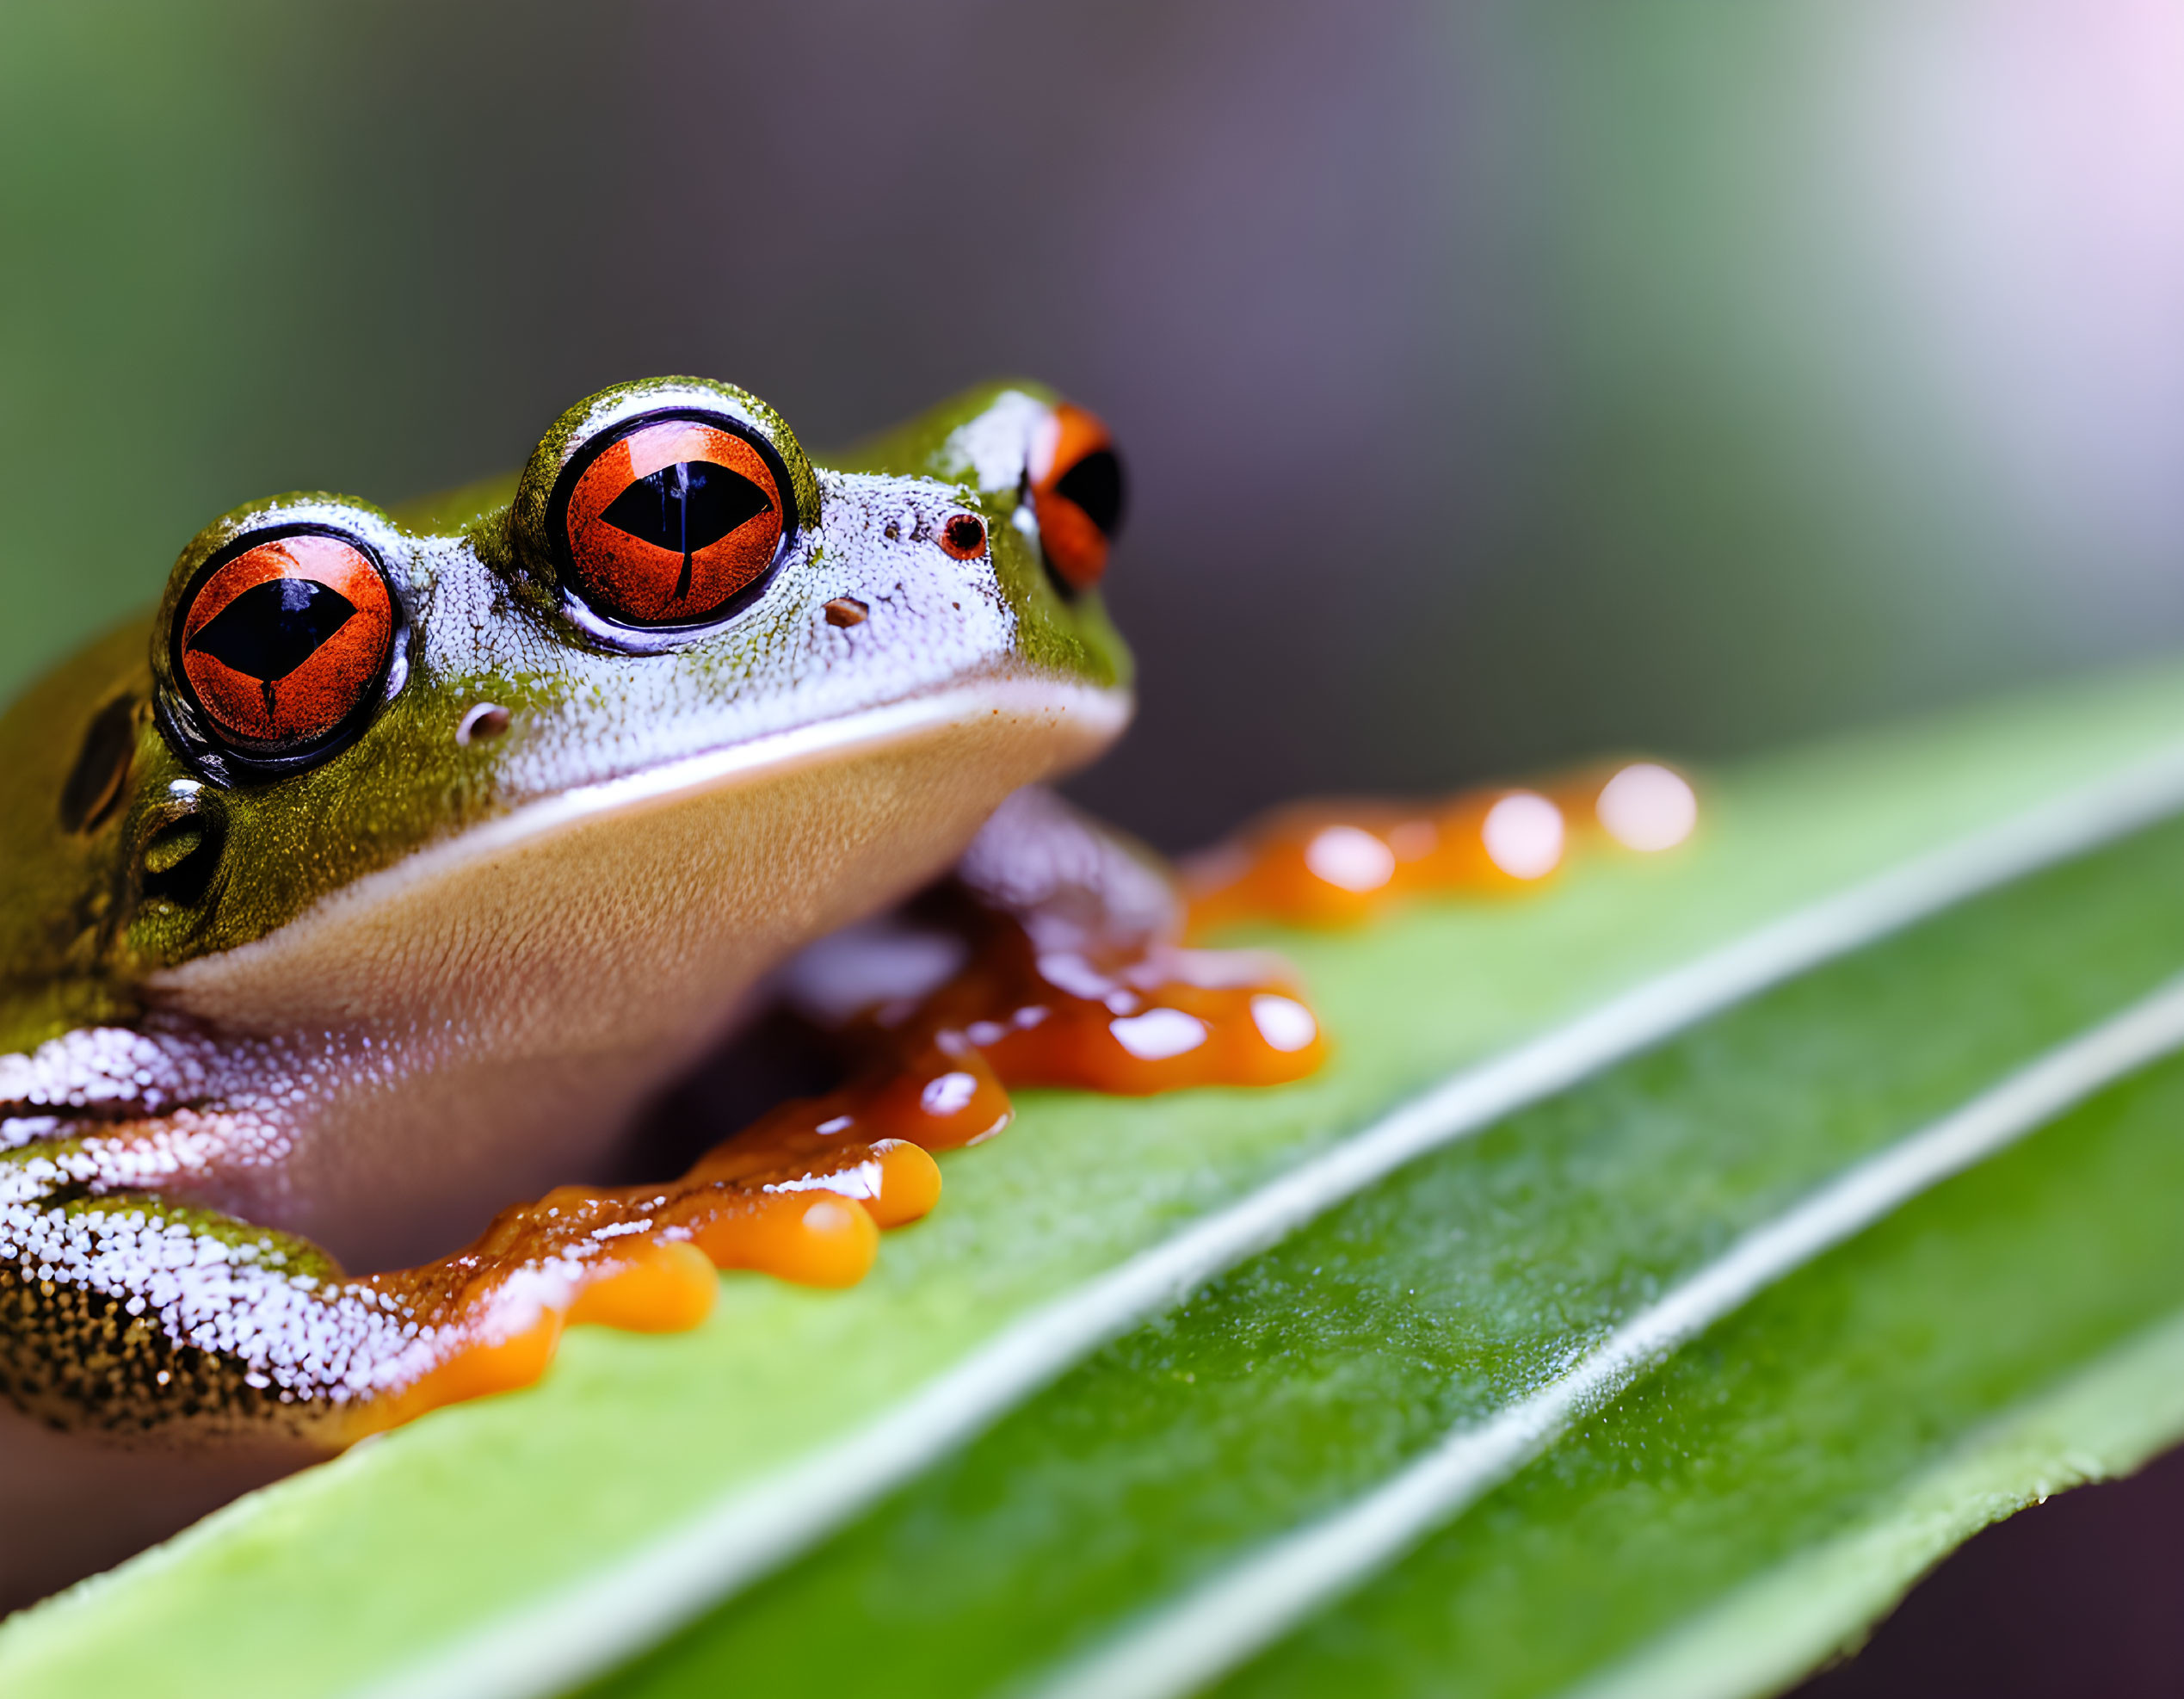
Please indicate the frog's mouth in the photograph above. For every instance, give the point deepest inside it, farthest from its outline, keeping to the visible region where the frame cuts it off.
(617, 912)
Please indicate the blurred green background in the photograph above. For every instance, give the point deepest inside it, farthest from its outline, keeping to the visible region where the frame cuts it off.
(1499, 381)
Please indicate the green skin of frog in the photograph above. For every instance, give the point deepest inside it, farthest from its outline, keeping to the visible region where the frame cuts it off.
(365, 1000)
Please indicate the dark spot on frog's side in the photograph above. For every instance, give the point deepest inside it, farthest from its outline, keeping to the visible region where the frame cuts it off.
(95, 783)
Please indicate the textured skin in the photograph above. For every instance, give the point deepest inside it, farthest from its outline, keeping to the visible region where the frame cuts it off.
(397, 991)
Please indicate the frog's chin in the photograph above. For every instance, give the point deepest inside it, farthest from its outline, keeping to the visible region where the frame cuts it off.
(631, 903)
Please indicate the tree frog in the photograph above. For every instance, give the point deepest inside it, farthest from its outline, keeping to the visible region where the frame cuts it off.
(386, 874)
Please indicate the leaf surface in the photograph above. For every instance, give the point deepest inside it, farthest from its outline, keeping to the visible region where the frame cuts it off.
(1872, 1401)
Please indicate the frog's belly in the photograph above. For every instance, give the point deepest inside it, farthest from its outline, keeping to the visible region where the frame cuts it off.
(483, 1020)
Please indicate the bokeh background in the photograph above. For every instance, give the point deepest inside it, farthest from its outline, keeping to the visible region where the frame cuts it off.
(1501, 381)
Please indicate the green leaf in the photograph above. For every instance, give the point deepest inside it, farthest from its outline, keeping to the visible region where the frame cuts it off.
(879, 1490)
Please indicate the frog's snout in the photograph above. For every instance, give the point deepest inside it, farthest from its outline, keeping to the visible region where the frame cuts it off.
(1077, 492)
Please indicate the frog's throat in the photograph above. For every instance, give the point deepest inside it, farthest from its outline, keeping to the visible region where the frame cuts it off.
(633, 915)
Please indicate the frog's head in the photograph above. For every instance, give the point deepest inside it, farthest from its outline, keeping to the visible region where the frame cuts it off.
(673, 695)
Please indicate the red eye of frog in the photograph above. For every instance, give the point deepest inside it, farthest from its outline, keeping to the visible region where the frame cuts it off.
(282, 646)
(1076, 494)
(670, 522)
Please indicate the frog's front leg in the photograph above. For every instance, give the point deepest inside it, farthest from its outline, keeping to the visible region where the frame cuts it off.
(126, 1310)
(123, 1311)
(128, 1305)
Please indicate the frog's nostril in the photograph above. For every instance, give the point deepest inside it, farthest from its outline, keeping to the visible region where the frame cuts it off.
(965, 536)
(484, 721)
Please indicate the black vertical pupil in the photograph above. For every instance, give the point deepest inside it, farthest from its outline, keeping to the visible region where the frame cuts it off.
(687, 506)
(1095, 484)
(274, 628)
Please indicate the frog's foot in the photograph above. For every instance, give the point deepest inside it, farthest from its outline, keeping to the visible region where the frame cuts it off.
(1339, 862)
(805, 1208)
(123, 1310)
